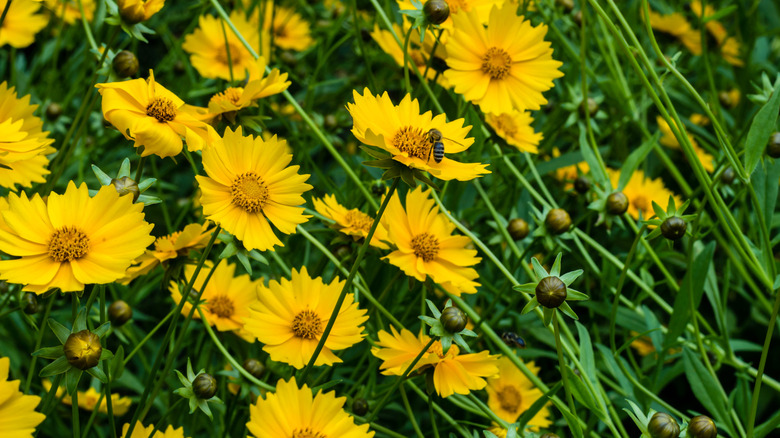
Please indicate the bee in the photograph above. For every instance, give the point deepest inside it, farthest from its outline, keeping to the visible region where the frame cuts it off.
(513, 340)
(435, 137)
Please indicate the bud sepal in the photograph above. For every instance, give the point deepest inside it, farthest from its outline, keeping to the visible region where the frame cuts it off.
(672, 230)
(554, 276)
(188, 392)
(438, 329)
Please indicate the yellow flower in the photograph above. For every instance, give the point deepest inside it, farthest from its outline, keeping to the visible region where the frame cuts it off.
(227, 296)
(89, 399)
(249, 183)
(642, 191)
(426, 246)
(17, 410)
(729, 47)
(504, 67)
(290, 316)
(152, 116)
(510, 393)
(352, 222)
(402, 131)
(676, 25)
(22, 22)
(258, 87)
(209, 52)
(293, 412)
(418, 54)
(453, 373)
(480, 7)
(568, 174)
(68, 10)
(136, 11)
(139, 431)
(669, 140)
(291, 31)
(72, 239)
(515, 127)
(23, 143)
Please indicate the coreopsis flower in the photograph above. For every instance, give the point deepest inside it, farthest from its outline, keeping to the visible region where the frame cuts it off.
(293, 412)
(515, 127)
(352, 222)
(419, 53)
(88, 400)
(155, 118)
(136, 11)
(250, 184)
(403, 132)
(642, 192)
(510, 393)
(453, 373)
(504, 67)
(17, 410)
(72, 239)
(22, 22)
(23, 143)
(677, 25)
(258, 87)
(290, 317)
(227, 296)
(290, 30)
(214, 57)
(426, 246)
(480, 7)
(729, 46)
(669, 140)
(69, 11)
(568, 174)
(140, 431)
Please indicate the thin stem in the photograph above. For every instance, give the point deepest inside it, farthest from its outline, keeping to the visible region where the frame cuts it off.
(148, 336)
(762, 363)
(41, 329)
(107, 369)
(487, 411)
(562, 365)
(409, 412)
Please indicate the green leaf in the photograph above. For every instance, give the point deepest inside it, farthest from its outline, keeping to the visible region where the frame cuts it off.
(72, 378)
(433, 308)
(124, 169)
(255, 255)
(375, 153)
(762, 127)
(538, 405)
(395, 172)
(106, 354)
(97, 373)
(244, 260)
(530, 288)
(538, 269)
(386, 163)
(582, 394)
(50, 352)
(408, 177)
(101, 176)
(766, 187)
(598, 174)
(420, 176)
(547, 315)
(59, 366)
(568, 311)
(102, 330)
(118, 363)
(59, 330)
(575, 295)
(81, 321)
(706, 389)
(633, 160)
(556, 267)
(612, 366)
(569, 277)
(533, 304)
(586, 352)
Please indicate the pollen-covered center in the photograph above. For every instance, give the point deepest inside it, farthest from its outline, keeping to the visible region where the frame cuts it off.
(496, 63)
(221, 306)
(307, 325)
(306, 432)
(425, 246)
(232, 95)
(162, 109)
(412, 141)
(235, 54)
(249, 192)
(359, 220)
(68, 244)
(510, 399)
(507, 124)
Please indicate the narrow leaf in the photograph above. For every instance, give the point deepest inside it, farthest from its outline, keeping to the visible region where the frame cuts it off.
(633, 160)
(59, 366)
(706, 389)
(59, 330)
(762, 127)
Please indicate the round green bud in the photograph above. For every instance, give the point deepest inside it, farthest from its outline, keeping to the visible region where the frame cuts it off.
(453, 319)
(517, 228)
(204, 386)
(359, 406)
(673, 228)
(663, 425)
(436, 11)
(557, 221)
(702, 426)
(83, 349)
(617, 203)
(119, 312)
(30, 303)
(551, 292)
(125, 64)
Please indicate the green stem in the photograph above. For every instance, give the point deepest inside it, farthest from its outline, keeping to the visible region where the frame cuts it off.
(762, 363)
(107, 369)
(38, 340)
(409, 413)
(148, 336)
(562, 365)
(488, 412)
(75, 413)
(406, 59)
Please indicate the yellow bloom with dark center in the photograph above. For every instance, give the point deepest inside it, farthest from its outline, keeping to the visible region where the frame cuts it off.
(227, 296)
(152, 116)
(17, 410)
(88, 400)
(250, 184)
(69, 11)
(290, 30)
(729, 46)
(453, 373)
(669, 140)
(425, 244)
(139, 431)
(290, 317)
(23, 143)
(352, 222)
(292, 412)
(504, 67)
(480, 7)
(642, 191)
(136, 11)
(22, 22)
(402, 131)
(515, 127)
(72, 239)
(419, 54)
(510, 393)
(258, 87)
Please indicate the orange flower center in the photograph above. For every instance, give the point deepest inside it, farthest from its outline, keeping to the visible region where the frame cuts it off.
(306, 432)
(412, 141)
(68, 244)
(510, 399)
(505, 123)
(232, 95)
(162, 109)
(307, 325)
(221, 306)
(425, 246)
(249, 192)
(359, 220)
(496, 63)
(235, 54)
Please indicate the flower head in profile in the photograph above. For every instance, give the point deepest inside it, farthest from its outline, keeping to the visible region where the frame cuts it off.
(290, 30)
(88, 400)
(139, 431)
(479, 7)
(510, 393)
(425, 244)
(17, 410)
(504, 67)
(290, 317)
(69, 10)
(642, 192)
(453, 373)
(251, 185)
(258, 87)
(515, 127)
(292, 412)
(352, 222)
(419, 53)
(155, 118)
(403, 132)
(136, 11)
(22, 22)
(669, 140)
(72, 239)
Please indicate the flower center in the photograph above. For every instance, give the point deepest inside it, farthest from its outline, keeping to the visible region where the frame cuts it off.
(235, 54)
(425, 246)
(68, 244)
(249, 192)
(232, 95)
(221, 306)
(307, 325)
(412, 141)
(306, 432)
(496, 63)
(162, 109)
(359, 220)
(510, 399)
(506, 124)
(436, 348)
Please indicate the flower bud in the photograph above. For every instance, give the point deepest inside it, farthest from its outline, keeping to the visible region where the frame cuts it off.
(773, 147)
(551, 292)
(728, 175)
(725, 98)
(582, 185)
(254, 367)
(673, 228)
(30, 303)
(617, 203)
(567, 4)
(359, 406)
(83, 349)
(663, 425)
(53, 111)
(119, 312)
(453, 319)
(517, 228)
(136, 11)
(557, 221)
(436, 11)
(204, 386)
(125, 64)
(702, 426)
(126, 185)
